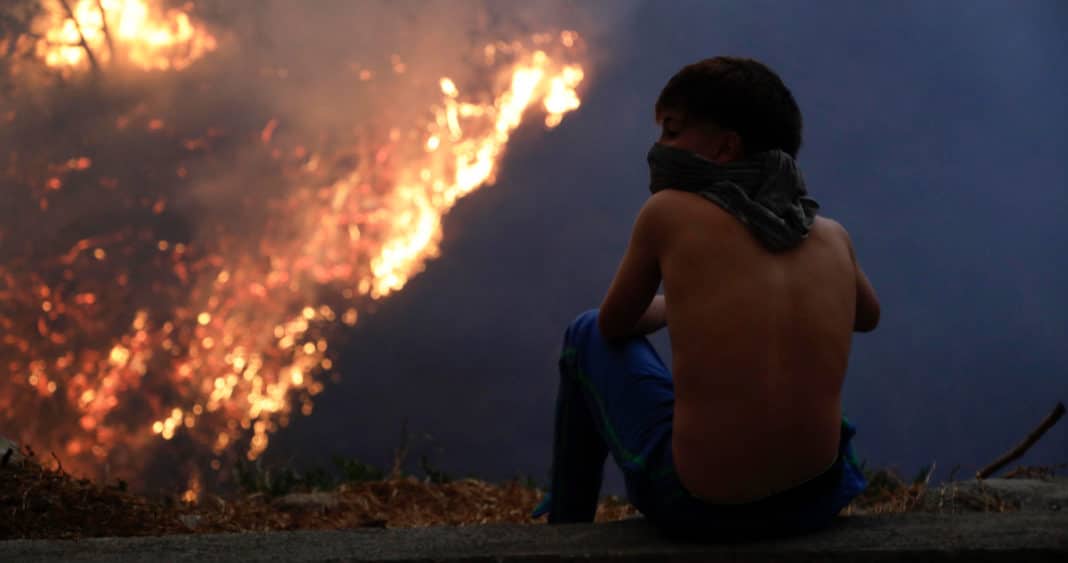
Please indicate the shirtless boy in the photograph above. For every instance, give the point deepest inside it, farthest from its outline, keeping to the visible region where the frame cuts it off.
(744, 436)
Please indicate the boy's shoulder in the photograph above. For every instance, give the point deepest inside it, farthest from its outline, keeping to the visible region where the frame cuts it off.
(676, 211)
(832, 229)
(829, 224)
(674, 207)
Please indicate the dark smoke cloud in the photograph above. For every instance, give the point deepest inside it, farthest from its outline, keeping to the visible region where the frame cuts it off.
(179, 157)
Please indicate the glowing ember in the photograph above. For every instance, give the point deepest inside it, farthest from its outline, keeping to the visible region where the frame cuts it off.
(229, 336)
(147, 37)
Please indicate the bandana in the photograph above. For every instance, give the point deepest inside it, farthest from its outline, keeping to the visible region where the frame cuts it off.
(765, 192)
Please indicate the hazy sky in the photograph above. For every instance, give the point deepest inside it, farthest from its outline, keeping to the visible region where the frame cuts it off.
(935, 132)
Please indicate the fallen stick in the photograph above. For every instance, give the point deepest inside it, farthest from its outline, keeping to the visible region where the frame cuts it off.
(1023, 446)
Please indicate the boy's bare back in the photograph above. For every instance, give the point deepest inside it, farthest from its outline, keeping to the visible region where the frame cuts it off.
(760, 344)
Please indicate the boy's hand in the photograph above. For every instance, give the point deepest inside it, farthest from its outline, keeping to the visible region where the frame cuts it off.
(654, 318)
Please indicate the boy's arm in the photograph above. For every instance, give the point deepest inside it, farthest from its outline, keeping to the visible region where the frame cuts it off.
(653, 319)
(629, 308)
(868, 309)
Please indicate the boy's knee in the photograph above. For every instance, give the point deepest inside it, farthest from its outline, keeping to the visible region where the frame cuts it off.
(586, 318)
(585, 322)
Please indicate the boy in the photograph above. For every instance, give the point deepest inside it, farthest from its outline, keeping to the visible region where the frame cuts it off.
(744, 437)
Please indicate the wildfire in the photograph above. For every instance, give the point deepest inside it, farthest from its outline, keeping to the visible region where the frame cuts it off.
(83, 32)
(235, 335)
(469, 161)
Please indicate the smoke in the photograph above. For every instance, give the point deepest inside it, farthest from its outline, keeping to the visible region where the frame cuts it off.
(179, 248)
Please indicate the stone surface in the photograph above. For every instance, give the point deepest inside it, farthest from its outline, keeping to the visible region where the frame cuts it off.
(1018, 536)
(1029, 494)
(1041, 495)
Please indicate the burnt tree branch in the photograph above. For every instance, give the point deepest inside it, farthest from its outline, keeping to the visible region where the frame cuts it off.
(81, 36)
(104, 28)
(1025, 445)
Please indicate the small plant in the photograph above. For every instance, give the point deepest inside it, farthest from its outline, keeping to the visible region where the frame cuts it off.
(529, 482)
(254, 478)
(923, 476)
(318, 479)
(433, 474)
(355, 471)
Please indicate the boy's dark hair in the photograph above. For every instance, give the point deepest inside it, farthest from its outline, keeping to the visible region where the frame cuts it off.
(739, 94)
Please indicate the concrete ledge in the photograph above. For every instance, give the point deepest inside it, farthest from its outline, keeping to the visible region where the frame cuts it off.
(1019, 536)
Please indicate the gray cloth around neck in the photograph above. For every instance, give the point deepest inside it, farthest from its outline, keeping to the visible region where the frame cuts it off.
(765, 192)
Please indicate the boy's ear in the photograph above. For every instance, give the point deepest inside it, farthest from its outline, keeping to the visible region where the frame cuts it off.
(731, 147)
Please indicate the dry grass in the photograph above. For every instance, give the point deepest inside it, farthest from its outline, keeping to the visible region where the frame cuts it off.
(887, 492)
(45, 502)
(37, 501)
(395, 503)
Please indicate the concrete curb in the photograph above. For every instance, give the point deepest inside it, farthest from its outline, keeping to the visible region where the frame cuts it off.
(1019, 536)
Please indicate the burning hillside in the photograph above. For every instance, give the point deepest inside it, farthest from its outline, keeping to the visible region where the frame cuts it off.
(179, 249)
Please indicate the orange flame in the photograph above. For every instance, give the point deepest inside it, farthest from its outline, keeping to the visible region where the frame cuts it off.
(147, 37)
(242, 342)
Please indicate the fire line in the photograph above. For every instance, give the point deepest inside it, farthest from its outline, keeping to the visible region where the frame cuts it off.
(128, 339)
